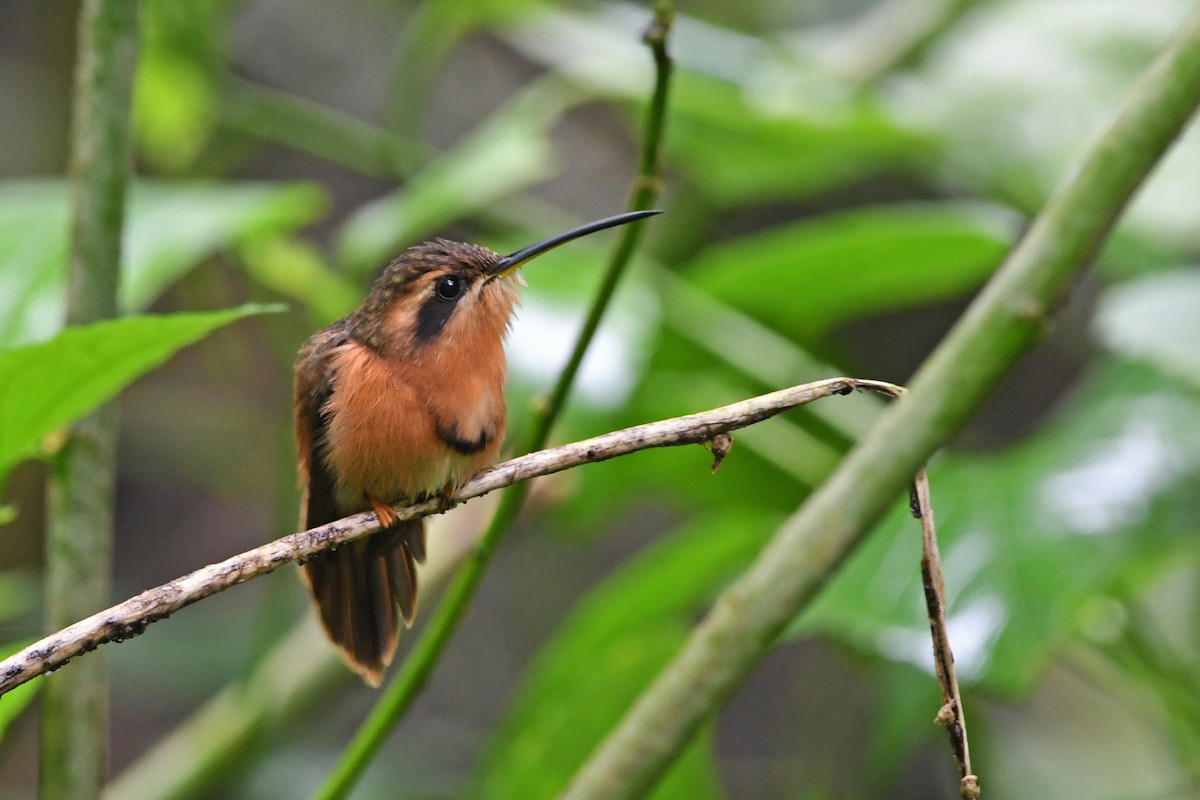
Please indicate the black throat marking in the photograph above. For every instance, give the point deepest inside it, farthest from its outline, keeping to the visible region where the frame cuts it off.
(450, 435)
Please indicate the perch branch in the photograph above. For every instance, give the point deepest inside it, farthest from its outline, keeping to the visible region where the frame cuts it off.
(130, 618)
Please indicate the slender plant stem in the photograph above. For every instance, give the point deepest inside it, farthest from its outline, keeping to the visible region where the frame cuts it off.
(74, 722)
(951, 714)
(1002, 323)
(416, 669)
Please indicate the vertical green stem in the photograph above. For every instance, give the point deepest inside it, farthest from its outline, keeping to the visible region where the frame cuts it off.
(416, 669)
(80, 493)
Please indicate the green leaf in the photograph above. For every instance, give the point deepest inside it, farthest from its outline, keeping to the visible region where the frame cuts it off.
(16, 700)
(901, 723)
(46, 386)
(169, 229)
(1029, 535)
(608, 650)
(845, 266)
(1155, 319)
(1014, 125)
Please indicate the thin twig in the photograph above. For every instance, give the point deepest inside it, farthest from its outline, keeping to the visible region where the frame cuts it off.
(951, 713)
(130, 618)
(1002, 323)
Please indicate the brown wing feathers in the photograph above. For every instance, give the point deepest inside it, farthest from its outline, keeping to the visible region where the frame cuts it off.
(358, 588)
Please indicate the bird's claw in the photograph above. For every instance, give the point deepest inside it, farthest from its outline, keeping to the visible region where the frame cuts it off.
(387, 517)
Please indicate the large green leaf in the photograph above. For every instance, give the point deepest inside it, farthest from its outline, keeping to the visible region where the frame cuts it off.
(51, 384)
(844, 266)
(170, 228)
(1019, 89)
(607, 651)
(1029, 535)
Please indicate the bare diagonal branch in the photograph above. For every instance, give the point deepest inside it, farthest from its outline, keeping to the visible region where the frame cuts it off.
(130, 618)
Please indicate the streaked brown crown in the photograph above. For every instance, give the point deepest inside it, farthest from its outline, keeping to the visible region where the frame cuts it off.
(414, 299)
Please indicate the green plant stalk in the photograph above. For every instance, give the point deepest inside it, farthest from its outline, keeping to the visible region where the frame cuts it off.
(417, 667)
(1002, 323)
(74, 717)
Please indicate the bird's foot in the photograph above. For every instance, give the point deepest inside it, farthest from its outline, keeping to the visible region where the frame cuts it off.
(387, 517)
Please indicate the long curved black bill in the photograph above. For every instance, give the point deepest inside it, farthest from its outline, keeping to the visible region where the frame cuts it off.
(514, 261)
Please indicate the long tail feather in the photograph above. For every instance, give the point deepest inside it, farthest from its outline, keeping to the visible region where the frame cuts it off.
(358, 589)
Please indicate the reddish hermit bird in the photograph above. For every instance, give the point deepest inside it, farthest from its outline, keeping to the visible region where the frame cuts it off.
(402, 399)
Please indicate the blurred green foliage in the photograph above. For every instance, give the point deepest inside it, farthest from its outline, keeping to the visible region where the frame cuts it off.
(611, 646)
(169, 229)
(811, 217)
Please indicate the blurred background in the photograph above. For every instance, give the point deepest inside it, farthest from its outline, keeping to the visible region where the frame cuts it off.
(840, 178)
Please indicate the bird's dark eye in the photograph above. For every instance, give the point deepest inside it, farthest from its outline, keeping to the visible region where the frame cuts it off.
(450, 287)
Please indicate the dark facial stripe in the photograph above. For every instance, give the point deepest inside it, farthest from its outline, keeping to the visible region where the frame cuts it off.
(432, 317)
(450, 435)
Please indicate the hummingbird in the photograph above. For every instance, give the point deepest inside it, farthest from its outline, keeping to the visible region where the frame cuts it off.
(400, 400)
